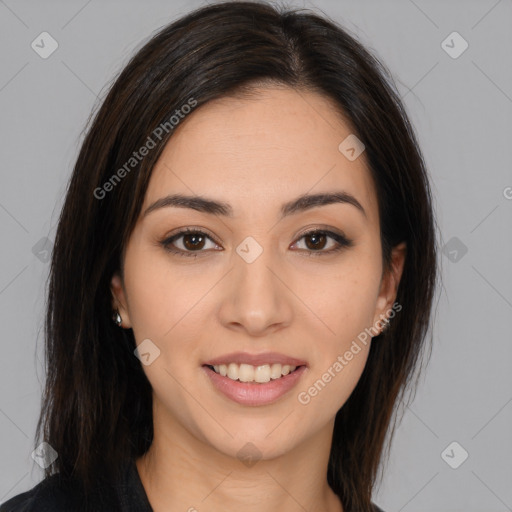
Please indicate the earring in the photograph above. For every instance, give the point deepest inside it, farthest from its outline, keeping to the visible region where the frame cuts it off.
(386, 326)
(117, 318)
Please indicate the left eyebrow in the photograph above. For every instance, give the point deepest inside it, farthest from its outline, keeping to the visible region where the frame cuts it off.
(306, 202)
(214, 207)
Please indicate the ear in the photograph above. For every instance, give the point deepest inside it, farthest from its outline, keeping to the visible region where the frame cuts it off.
(119, 299)
(389, 284)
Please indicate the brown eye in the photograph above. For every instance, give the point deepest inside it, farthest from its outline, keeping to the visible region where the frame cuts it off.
(193, 241)
(188, 242)
(318, 240)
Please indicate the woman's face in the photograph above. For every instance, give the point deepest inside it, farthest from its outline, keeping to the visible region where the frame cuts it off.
(251, 283)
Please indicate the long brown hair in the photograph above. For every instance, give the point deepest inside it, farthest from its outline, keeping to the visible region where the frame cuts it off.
(97, 405)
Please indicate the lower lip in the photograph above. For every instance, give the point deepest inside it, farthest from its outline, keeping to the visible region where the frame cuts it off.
(253, 393)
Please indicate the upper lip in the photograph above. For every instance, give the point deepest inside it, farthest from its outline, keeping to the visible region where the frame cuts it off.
(255, 359)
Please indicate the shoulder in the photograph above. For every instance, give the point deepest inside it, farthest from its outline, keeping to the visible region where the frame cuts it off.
(54, 494)
(50, 494)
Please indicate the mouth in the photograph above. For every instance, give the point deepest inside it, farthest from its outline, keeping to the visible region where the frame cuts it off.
(250, 385)
(260, 374)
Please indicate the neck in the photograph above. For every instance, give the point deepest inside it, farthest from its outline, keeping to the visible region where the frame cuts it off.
(181, 472)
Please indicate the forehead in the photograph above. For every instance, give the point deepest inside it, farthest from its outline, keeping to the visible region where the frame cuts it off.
(273, 146)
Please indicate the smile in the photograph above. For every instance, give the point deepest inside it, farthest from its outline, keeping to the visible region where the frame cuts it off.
(249, 373)
(252, 392)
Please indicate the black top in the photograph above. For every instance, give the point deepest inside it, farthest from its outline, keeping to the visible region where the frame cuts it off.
(56, 495)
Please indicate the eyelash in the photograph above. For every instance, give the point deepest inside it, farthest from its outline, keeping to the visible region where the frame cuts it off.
(342, 242)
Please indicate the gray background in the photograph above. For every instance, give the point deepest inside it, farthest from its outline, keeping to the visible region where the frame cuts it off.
(461, 109)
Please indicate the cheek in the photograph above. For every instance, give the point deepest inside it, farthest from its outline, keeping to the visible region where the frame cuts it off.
(162, 300)
(342, 302)
(339, 359)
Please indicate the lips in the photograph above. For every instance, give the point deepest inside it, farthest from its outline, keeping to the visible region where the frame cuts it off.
(257, 389)
(253, 393)
(255, 359)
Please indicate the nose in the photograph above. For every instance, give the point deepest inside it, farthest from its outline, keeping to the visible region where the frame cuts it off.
(256, 296)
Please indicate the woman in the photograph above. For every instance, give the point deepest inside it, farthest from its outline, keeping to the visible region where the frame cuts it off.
(251, 208)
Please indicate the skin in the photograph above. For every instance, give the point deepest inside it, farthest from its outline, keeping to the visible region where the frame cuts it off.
(255, 154)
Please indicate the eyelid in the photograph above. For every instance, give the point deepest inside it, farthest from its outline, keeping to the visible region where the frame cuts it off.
(191, 229)
(168, 240)
(319, 227)
(340, 239)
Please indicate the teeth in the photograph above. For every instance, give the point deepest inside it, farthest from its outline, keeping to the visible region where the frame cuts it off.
(275, 371)
(249, 373)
